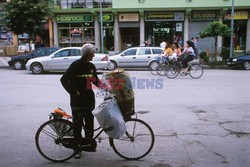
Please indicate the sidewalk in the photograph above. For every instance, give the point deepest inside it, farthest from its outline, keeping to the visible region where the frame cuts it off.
(4, 61)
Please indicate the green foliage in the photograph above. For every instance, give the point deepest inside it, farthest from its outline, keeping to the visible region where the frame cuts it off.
(225, 53)
(215, 29)
(26, 16)
(202, 55)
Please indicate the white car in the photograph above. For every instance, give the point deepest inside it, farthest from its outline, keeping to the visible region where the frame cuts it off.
(61, 60)
(135, 57)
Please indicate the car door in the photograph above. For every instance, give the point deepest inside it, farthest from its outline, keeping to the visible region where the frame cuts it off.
(59, 60)
(74, 55)
(127, 58)
(144, 55)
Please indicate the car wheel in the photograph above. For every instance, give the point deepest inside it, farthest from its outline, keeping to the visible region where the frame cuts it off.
(112, 65)
(18, 65)
(246, 65)
(37, 68)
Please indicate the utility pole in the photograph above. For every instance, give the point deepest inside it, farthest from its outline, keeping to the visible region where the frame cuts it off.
(101, 26)
(232, 30)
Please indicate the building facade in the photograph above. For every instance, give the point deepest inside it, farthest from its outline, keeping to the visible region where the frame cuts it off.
(131, 22)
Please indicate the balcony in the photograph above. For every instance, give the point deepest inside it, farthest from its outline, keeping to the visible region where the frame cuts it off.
(71, 4)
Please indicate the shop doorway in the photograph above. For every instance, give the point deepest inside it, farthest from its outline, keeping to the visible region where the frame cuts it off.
(130, 37)
(163, 34)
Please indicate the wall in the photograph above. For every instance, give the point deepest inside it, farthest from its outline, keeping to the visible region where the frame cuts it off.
(182, 4)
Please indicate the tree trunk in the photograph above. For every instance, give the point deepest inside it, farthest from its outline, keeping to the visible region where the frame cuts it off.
(215, 49)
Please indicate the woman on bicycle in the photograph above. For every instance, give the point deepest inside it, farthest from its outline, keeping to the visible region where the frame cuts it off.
(168, 50)
(76, 81)
(187, 56)
(176, 51)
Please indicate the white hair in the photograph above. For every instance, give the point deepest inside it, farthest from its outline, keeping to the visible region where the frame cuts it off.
(88, 49)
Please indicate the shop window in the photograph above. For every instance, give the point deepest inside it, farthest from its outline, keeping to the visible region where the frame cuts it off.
(239, 37)
(76, 34)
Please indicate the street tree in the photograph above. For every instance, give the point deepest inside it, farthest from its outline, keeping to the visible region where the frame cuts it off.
(26, 16)
(214, 30)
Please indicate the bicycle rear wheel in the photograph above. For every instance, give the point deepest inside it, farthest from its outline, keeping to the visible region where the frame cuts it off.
(196, 71)
(136, 143)
(172, 71)
(49, 141)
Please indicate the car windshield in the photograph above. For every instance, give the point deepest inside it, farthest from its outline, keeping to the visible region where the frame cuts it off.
(39, 52)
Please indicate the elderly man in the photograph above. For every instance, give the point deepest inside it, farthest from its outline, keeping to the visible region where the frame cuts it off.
(82, 100)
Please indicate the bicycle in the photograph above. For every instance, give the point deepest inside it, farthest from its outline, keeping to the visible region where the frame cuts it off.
(55, 138)
(158, 66)
(173, 69)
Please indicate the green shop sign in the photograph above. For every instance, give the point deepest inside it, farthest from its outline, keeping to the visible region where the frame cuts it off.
(204, 16)
(106, 18)
(74, 18)
(164, 16)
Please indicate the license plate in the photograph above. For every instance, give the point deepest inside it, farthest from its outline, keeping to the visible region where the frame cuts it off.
(228, 62)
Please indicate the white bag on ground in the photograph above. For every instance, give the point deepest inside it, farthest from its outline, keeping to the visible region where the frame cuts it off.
(109, 117)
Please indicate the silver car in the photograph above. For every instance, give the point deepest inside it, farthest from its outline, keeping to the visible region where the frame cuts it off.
(135, 57)
(61, 60)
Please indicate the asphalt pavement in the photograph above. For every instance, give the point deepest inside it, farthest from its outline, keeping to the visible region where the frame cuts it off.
(204, 122)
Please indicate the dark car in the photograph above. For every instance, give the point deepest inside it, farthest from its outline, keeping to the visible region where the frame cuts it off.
(19, 61)
(240, 61)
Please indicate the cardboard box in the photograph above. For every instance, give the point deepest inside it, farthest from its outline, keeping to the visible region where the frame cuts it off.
(11, 50)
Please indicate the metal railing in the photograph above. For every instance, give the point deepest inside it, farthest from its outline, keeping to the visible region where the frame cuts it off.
(78, 5)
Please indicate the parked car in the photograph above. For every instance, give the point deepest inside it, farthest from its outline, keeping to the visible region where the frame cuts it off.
(61, 60)
(135, 57)
(19, 61)
(240, 61)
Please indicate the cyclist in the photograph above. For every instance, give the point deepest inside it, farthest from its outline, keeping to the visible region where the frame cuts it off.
(187, 56)
(176, 51)
(82, 100)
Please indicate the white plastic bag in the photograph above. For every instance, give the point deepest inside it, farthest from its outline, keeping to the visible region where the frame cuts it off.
(109, 117)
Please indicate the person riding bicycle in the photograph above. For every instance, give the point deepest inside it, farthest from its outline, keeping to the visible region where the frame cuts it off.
(187, 56)
(77, 82)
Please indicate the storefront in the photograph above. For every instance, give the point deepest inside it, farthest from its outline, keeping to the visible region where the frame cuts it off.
(129, 29)
(240, 30)
(5, 34)
(164, 26)
(75, 30)
(199, 20)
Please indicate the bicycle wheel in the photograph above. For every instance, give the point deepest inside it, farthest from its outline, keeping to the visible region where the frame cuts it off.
(153, 67)
(136, 143)
(49, 140)
(196, 71)
(160, 69)
(172, 71)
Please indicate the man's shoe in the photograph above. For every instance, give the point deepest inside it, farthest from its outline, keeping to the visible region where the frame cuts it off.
(78, 154)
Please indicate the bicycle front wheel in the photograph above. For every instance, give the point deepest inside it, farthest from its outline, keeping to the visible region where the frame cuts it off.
(196, 71)
(136, 143)
(172, 71)
(49, 140)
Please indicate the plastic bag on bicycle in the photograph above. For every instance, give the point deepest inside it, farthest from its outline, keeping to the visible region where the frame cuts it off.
(109, 117)
(123, 90)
